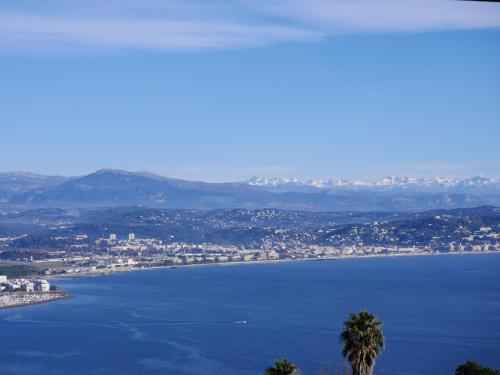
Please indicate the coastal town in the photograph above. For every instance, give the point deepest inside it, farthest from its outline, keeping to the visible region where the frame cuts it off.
(114, 254)
(21, 292)
(100, 241)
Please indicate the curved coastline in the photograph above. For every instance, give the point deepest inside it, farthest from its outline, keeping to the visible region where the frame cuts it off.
(198, 308)
(63, 294)
(288, 260)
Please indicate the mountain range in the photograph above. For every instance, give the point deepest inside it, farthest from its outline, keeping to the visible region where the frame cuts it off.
(472, 185)
(115, 188)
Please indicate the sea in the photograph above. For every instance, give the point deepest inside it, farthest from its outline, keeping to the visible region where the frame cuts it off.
(437, 312)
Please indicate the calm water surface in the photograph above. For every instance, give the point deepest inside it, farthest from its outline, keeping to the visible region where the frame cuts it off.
(438, 312)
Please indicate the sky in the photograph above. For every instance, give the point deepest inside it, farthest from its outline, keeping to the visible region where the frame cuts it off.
(221, 90)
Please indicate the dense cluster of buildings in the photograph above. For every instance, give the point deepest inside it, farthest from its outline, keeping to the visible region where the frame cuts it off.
(485, 239)
(20, 292)
(23, 285)
(84, 254)
(114, 254)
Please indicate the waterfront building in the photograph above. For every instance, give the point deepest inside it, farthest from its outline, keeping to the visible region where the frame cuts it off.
(13, 286)
(28, 286)
(261, 255)
(347, 251)
(247, 257)
(42, 286)
(273, 255)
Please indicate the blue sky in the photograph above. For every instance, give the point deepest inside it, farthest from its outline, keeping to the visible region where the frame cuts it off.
(223, 90)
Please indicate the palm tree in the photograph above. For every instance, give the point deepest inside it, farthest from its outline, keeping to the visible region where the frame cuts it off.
(363, 341)
(474, 368)
(282, 367)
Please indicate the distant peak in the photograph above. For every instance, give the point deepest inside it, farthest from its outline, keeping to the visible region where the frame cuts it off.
(111, 171)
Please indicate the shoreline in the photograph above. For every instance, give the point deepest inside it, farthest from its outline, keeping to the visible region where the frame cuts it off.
(52, 296)
(180, 266)
(64, 294)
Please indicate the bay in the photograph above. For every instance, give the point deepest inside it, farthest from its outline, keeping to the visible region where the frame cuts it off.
(438, 312)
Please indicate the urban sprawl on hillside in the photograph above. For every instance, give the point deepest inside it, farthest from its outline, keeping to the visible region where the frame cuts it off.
(87, 243)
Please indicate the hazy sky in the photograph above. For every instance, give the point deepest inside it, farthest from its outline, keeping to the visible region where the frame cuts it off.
(223, 90)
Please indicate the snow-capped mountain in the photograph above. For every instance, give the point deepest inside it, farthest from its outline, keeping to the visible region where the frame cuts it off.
(388, 183)
(295, 183)
(115, 188)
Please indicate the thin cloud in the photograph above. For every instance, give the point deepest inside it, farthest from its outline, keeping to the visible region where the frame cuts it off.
(21, 31)
(199, 25)
(341, 16)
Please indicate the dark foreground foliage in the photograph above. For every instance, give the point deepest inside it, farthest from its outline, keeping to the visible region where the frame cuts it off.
(474, 368)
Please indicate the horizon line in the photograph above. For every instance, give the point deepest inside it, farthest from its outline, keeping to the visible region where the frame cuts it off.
(250, 178)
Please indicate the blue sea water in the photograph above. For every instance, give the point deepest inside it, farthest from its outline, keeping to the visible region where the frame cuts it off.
(438, 312)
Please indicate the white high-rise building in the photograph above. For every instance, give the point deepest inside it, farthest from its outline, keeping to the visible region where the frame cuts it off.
(112, 237)
(131, 236)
